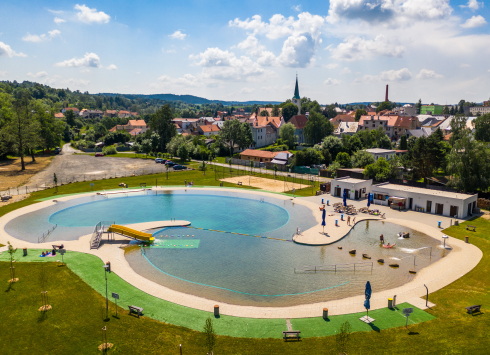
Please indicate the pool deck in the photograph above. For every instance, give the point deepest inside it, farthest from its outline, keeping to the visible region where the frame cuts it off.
(460, 261)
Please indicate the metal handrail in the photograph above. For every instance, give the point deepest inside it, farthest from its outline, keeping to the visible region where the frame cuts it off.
(332, 267)
(45, 235)
(99, 229)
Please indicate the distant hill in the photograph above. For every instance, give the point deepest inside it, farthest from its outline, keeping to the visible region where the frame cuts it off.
(191, 99)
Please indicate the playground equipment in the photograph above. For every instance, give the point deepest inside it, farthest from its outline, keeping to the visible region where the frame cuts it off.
(132, 233)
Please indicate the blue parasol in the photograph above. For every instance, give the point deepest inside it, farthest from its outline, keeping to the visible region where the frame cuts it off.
(367, 294)
(369, 199)
(345, 197)
(323, 220)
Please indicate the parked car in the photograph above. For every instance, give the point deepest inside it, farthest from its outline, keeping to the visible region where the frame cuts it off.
(99, 154)
(261, 165)
(179, 167)
(170, 163)
(158, 160)
(57, 150)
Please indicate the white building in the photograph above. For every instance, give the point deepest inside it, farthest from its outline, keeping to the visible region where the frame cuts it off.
(356, 188)
(381, 153)
(479, 109)
(446, 203)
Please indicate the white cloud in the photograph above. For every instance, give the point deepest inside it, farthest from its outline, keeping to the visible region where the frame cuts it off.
(168, 50)
(58, 20)
(3, 73)
(246, 90)
(356, 48)
(396, 75)
(464, 65)
(428, 74)
(41, 74)
(224, 65)
(178, 35)
(85, 70)
(331, 82)
(88, 15)
(395, 12)
(473, 4)
(6, 50)
(111, 67)
(186, 80)
(296, 8)
(56, 11)
(331, 66)
(41, 38)
(252, 47)
(475, 21)
(345, 71)
(88, 60)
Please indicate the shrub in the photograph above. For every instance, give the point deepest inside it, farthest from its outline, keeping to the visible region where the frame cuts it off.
(109, 150)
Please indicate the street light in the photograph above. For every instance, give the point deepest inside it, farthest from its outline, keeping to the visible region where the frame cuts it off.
(107, 268)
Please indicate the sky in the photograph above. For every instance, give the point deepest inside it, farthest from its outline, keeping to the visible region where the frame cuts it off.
(342, 50)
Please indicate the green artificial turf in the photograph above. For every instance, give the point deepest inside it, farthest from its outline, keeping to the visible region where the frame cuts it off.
(89, 268)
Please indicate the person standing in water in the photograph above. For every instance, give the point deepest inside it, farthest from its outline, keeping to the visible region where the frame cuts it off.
(381, 238)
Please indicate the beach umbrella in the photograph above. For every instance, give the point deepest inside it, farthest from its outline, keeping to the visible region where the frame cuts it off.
(323, 220)
(369, 199)
(345, 197)
(367, 294)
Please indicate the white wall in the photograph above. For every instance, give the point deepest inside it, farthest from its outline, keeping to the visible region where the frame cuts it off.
(350, 186)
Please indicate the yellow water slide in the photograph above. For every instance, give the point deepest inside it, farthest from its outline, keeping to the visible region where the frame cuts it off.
(132, 233)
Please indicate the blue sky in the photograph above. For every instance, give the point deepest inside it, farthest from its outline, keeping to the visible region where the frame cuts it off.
(342, 50)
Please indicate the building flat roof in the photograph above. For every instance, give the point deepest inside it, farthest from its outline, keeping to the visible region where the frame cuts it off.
(350, 180)
(419, 190)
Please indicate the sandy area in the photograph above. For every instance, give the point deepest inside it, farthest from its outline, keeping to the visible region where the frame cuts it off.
(11, 174)
(263, 183)
(15, 198)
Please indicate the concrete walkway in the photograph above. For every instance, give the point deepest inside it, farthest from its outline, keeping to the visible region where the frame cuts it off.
(461, 260)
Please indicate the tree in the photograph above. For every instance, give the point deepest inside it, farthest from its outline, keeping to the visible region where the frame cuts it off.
(327, 157)
(289, 110)
(307, 157)
(418, 106)
(332, 169)
(361, 159)
(116, 137)
(445, 110)
(210, 336)
(429, 154)
(411, 142)
(161, 123)
(236, 133)
(155, 140)
(342, 338)
(359, 113)
(50, 128)
(344, 160)
(183, 152)
(380, 170)
(469, 165)
(317, 128)
(286, 132)
(403, 143)
(276, 111)
(70, 117)
(264, 113)
(146, 146)
(11, 252)
(386, 105)
(458, 129)
(482, 128)
(333, 145)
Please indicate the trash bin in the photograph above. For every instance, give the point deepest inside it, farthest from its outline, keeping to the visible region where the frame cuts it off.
(216, 311)
(439, 224)
(390, 303)
(325, 313)
(322, 201)
(25, 251)
(466, 240)
(336, 222)
(328, 202)
(341, 217)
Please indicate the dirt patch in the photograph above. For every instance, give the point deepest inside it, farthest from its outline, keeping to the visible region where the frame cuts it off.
(11, 174)
(263, 183)
(15, 198)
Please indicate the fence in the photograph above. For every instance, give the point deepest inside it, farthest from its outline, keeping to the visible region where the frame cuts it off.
(256, 164)
(305, 170)
(333, 267)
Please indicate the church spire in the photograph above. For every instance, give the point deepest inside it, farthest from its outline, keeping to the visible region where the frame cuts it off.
(296, 90)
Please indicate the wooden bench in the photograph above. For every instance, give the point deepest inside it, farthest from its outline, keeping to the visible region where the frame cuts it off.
(468, 227)
(291, 334)
(137, 310)
(473, 309)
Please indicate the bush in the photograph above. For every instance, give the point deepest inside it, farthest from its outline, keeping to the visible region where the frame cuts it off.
(110, 150)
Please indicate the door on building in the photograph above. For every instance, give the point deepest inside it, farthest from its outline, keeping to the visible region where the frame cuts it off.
(469, 209)
(453, 211)
(439, 208)
(410, 201)
(429, 207)
(357, 195)
(337, 191)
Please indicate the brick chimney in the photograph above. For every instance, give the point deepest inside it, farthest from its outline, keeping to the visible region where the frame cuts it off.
(386, 96)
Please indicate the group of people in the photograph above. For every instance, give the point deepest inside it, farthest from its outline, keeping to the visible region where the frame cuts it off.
(52, 252)
(188, 184)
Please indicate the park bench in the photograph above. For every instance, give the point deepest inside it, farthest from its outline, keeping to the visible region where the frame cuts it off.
(291, 334)
(473, 309)
(240, 183)
(468, 227)
(137, 310)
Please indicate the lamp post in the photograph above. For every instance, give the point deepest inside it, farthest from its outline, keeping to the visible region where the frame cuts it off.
(107, 268)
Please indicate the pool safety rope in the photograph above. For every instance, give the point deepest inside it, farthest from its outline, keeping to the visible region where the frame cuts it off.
(243, 293)
(248, 235)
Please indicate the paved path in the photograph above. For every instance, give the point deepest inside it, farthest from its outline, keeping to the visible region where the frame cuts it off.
(463, 258)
